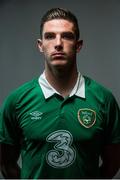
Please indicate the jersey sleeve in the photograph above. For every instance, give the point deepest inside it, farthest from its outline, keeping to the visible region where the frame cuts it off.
(9, 131)
(113, 121)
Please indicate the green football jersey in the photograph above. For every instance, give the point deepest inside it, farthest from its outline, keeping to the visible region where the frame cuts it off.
(60, 137)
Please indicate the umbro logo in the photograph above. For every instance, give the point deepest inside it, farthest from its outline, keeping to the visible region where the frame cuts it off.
(36, 115)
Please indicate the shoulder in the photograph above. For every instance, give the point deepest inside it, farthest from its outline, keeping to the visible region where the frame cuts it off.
(96, 89)
(95, 86)
(26, 86)
(21, 92)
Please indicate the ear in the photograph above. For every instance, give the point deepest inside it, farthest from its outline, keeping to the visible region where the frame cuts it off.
(79, 45)
(39, 45)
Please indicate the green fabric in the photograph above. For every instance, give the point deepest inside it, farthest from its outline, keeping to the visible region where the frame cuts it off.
(60, 138)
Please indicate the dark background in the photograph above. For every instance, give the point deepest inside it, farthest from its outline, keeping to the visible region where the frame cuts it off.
(20, 61)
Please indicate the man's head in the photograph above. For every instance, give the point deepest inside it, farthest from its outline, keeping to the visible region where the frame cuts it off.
(59, 13)
(59, 39)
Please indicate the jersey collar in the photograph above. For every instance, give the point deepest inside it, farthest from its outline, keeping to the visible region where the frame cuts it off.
(48, 90)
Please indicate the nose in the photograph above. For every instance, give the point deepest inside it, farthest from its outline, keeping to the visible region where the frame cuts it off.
(58, 44)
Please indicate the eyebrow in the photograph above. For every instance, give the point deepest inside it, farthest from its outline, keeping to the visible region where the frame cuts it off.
(62, 33)
(47, 33)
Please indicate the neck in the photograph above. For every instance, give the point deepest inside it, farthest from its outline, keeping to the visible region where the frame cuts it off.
(63, 80)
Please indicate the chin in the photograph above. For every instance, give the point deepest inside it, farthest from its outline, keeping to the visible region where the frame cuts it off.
(61, 64)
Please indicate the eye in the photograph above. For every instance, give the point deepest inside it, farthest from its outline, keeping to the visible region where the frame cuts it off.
(49, 36)
(68, 36)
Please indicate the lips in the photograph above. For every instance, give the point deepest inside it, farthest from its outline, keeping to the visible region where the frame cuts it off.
(58, 55)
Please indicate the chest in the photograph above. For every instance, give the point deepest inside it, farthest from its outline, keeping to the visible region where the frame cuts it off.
(84, 121)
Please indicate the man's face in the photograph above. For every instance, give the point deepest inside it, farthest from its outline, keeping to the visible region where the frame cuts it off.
(59, 43)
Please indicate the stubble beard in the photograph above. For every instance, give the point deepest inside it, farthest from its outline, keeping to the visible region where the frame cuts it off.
(61, 70)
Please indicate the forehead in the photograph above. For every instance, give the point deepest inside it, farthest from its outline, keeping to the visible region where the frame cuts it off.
(58, 25)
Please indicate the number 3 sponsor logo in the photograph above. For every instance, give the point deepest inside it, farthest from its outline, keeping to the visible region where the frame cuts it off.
(63, 154)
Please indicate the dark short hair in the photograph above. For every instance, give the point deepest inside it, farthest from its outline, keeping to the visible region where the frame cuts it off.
(60, 13)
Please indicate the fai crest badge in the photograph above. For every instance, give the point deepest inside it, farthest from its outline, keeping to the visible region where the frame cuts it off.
(87, 117)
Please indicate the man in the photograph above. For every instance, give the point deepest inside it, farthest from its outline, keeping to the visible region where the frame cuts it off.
(63, 122)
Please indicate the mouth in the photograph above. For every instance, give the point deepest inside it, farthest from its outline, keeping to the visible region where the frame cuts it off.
(58, 55)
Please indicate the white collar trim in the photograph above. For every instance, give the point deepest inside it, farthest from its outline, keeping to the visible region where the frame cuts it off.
(48, 90)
